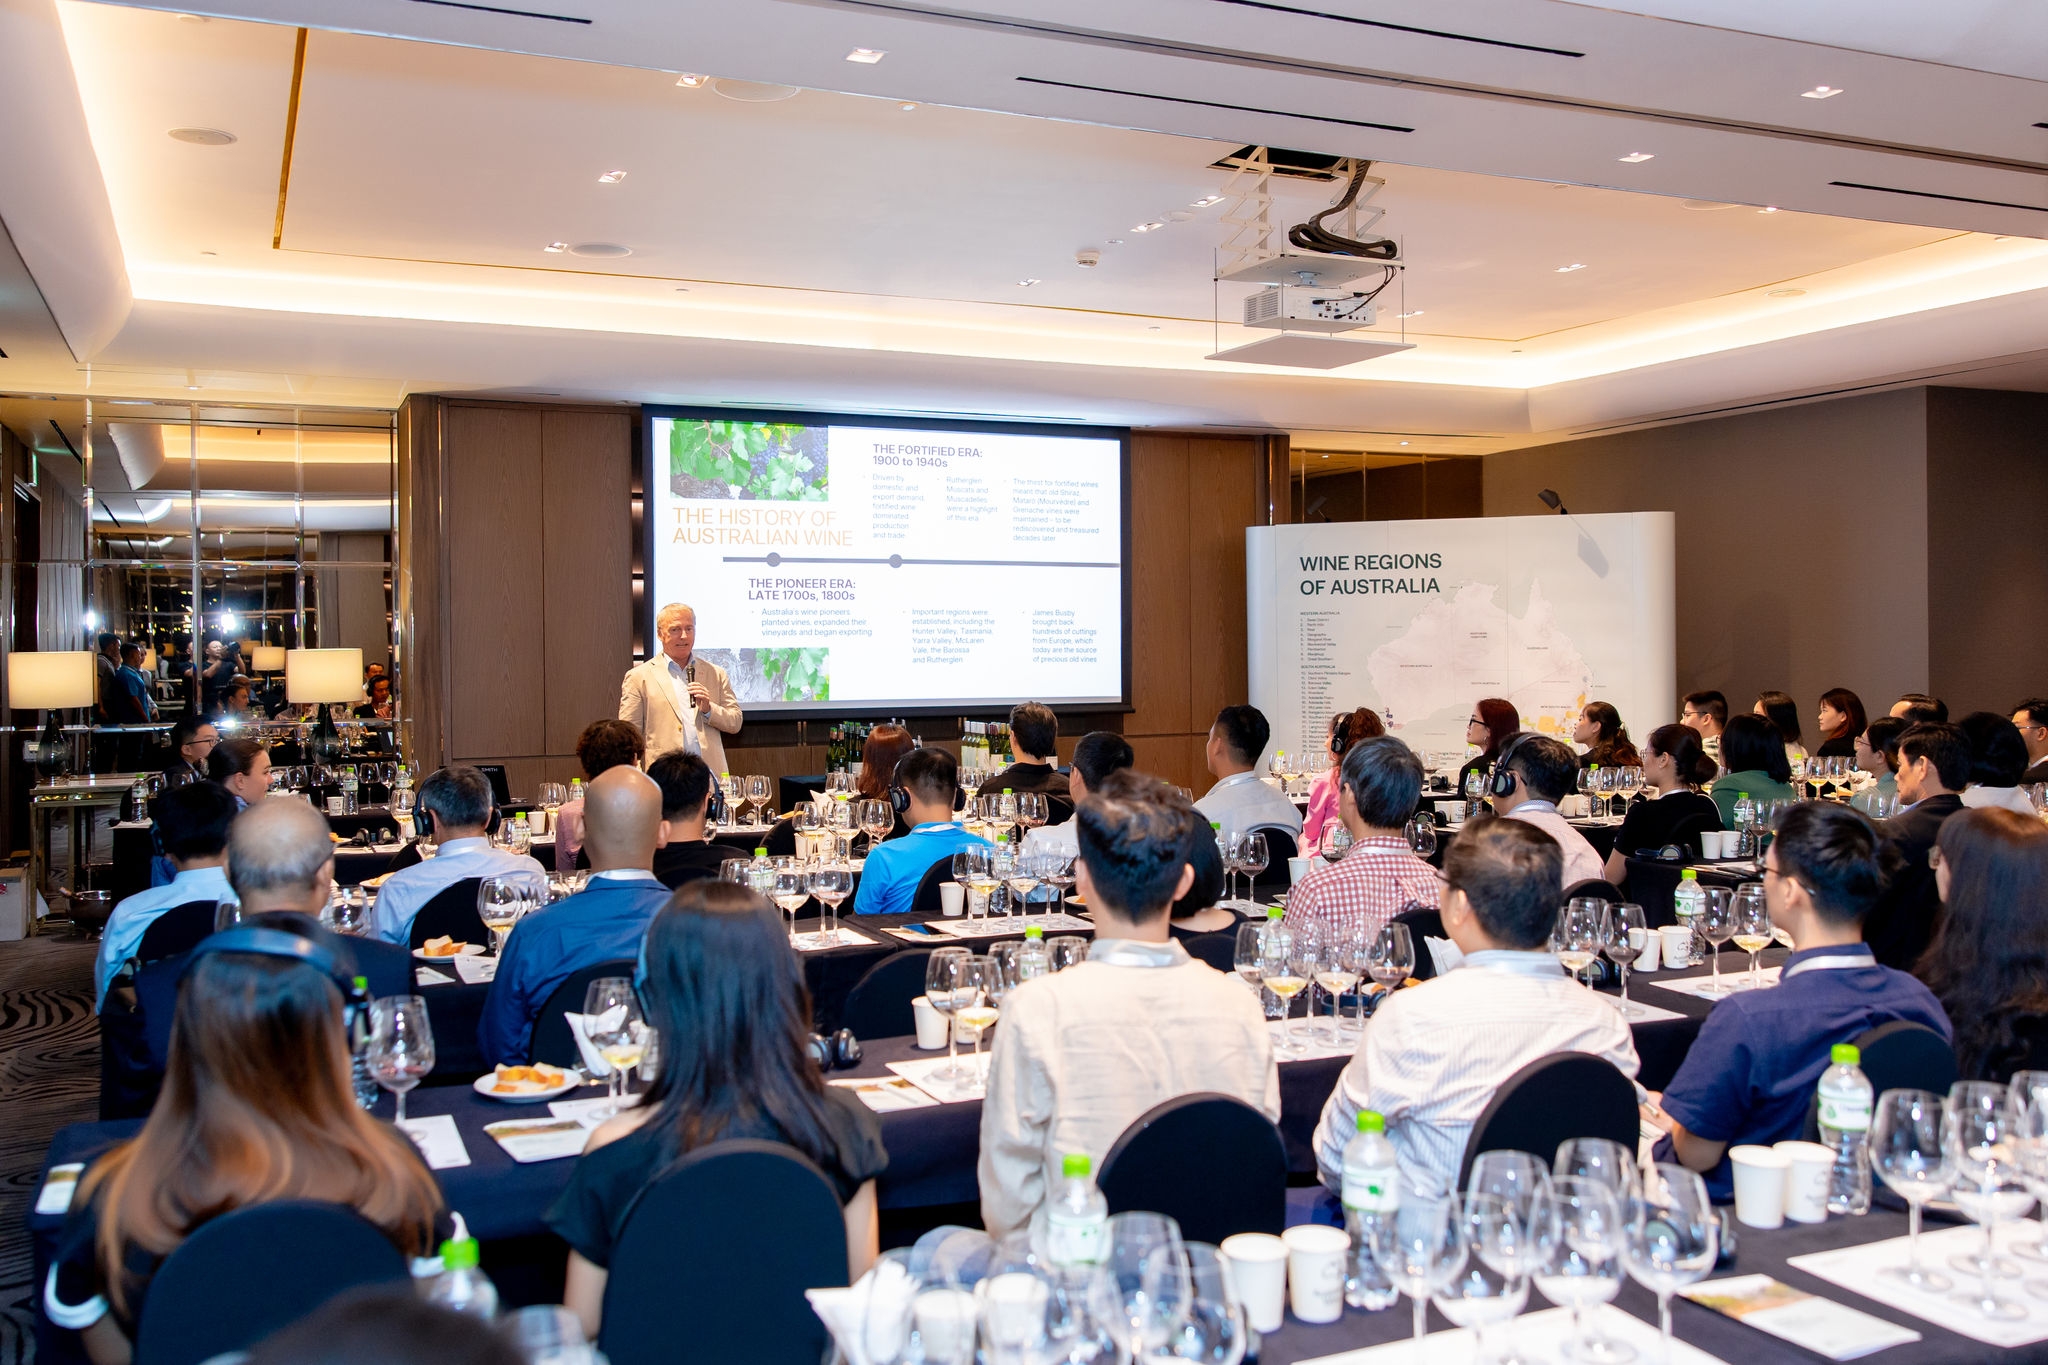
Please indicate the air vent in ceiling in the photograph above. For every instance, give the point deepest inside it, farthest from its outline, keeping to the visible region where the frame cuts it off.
(501, 9)
(1215, 104)
(1930, 194)
(1270, 7)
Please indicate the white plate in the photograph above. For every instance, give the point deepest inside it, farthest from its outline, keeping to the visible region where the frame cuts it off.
(482, 1086)
(468, 950)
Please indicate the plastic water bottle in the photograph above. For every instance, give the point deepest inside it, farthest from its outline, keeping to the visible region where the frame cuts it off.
(462, 1285)
(1845, 1100)
(1688, 904)
(522, 833)
(761, 873)
(1077, 1218)
(1745, 826)
(1372, 1191)
(351, 788)
(1033, 959)
(575, 789)
(366, 1086)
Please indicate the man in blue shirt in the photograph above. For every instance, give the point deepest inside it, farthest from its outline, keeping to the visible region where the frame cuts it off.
(1754, 1068)
(457, 800)
(192, 822)
(602, 923)
(888, 881)
(132, 702)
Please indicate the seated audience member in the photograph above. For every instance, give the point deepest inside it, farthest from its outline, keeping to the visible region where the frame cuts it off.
(241, 763)
(192, 823)
(1035, 740)
(1083, 1053)
(1755, 764)
(1877, 753)
(1097, 754)
(1196, 912)
(682, 853)
(1998, 760)
(1706, 712)
(1433, 1055)
(884, 749)
(376, 698)
(2031, 716)
(1783, 713)
(926, 779)
(257, 1105)
(280, 861)
(234, 702)
(1347, 731)
(603, 745)
(1541, 771)
(601, 923)
(1841, 720)
(1988, 964)
(726, 998)
(191, 744)
(457, 802)
(1492, 724)
(1380, 876)
(1605, 737)
(1918, 708)
(1934, 764)
(1240, 801)
(1751, 1072)
(1674, 767)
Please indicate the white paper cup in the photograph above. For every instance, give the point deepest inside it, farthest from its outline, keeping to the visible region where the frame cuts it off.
(931, 1025)
(1724, 842)
(1315, 1271)
(1297, 868)
(1256, 1263)
(952, 899)
(1806, 1183)
(1452, 811)
(1760, 1179)
(1677, 945)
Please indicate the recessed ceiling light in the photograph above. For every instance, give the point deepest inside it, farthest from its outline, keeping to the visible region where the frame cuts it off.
(1116, 241)
(556, 247)
(1772, 209)
(216, 253)
(601, 250)
(753, 92)
(690, 80)
(907, 106)
(1783, 293)
(866, 56)
(1821, 92)
(1153, 226)
(1411, 313)
(611, 177)
(682, 289)
(1634, 157)
(1026, 284)
(1153, 327)
(202, 137)
(1204, 203)
(1568, 269)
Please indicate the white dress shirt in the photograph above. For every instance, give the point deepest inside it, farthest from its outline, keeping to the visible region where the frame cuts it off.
(679, 679)
(1998, 798)
(1063, 839)
(1082, 1054)
(1242, 801)
(411, 888)
(1581, 863)
(1434, 1054)
(133, 916)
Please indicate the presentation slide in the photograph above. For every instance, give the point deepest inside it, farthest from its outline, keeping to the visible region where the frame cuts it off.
(837, 565)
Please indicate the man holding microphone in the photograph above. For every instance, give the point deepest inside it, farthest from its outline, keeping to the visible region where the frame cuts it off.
(678, 700)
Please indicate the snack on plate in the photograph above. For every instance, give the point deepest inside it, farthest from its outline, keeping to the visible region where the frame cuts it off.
(527, 1080)
(442, 947)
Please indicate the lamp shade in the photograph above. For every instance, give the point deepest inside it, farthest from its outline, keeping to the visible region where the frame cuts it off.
(267, 658)
(322, 675)
(50, 679)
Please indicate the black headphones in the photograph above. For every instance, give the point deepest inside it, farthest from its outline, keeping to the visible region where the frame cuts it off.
(424, 828)
(1503, 781)
(279, 943)
(899, 798)
(835, 1052)
(1339, 740)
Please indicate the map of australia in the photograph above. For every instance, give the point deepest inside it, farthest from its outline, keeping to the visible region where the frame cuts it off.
(1467, 646)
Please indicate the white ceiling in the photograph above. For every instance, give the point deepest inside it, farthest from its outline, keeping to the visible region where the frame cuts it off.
(835, 249)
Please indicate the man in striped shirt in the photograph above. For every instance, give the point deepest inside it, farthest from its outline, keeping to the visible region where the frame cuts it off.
(1379, 877)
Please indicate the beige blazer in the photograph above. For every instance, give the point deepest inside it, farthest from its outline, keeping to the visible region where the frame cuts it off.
(647, 698)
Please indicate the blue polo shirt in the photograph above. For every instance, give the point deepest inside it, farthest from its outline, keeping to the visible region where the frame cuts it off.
(1754, 1068)
(889, 878)
(604, 922)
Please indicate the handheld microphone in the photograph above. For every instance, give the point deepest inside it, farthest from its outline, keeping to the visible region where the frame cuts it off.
(690, 671)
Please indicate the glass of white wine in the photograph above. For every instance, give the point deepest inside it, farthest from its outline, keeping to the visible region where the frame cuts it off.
(610, 1012)
(1576, 939)
(1285, 971)
(1752, 917)
(982, 881)
(976, 991)
(1337, 974)
(792, 889)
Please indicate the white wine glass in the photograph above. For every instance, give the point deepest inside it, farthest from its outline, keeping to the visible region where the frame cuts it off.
(944, 976)
(975, 990)
(1751, 914)
(792, 889)
(1338, 977)
(1670, 1237)
(1420, 1247)
(610, 1010)
(1989, 1185)
(831, 883)
(400, 1051)
(1907, 1153)
(1279, 973)
(500, 900)
(1576, 939)
(1581, 1265)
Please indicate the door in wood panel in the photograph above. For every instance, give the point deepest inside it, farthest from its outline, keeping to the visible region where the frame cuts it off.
(1159, 587)
(492, 486)
(586, 568)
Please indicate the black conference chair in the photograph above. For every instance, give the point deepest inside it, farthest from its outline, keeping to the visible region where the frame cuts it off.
(405, 857)
(248, 1273)
(1423, 924)
(1649, 883)
(451, 914)
(1219, 949)
(1595, 886)
(780, 840)
(1281, 844)
(1552, 1099)
(1897, 1055)
(129, 1079)
(1214, 1164)
(759, 1205)
(552, 1042)
(1686, 833)
(176, 930)
(878, 1006)
(926, 904)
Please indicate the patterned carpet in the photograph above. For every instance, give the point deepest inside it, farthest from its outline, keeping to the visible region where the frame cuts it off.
(49, 1076)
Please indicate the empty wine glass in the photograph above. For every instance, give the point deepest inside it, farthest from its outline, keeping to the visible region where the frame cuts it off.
(757, 794)
(2026, 1102)
(1989, 1185)
(1068, 950)
(945, 976)
(1907, 1153)
(1031, 809)
(1670, 1237)
(831, 884)
(1582, 1259)
(877, 819)
(610, 1011)
(1251, 856)
(1146, 1275)
(1421, 834)
(1493, 1285)
(1716, 925)
(1602, 1159)
(1212, 1326)
(1627, 932)
(1420, 1247)
(400, 1051)
(1057, 871)
(1251, 952)
(1358, 960)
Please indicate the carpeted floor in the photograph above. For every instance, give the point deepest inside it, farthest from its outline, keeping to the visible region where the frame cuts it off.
(49, 1076)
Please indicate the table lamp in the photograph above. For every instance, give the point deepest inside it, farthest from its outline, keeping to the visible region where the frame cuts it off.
(51, 680)
(323, 677)
(268, 658)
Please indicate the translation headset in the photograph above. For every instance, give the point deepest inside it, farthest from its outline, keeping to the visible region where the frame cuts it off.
(899, 798)
(280, 943)
(1340, 739)
(424, 828)
(1503, 782)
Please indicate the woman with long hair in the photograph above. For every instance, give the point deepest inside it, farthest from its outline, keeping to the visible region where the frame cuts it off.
(1998, 762)
(726, 998)
(257, 1105)
(241, 763)
(1988, 964)
(1605, 737)
(1783, 713)
(885, 747)
(1753, 752)
(1347, 729)
(1841, 720)
(1494, 722)
(1675, 767)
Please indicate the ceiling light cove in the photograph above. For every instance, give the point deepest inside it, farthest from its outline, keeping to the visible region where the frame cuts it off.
(202, 137)
(611, 177)
(1633, 157)
(1153, 226)
(1821, 92)
(1568, 269)
(866, 56)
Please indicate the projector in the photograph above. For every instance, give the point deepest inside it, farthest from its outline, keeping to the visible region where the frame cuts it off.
(1294, 308)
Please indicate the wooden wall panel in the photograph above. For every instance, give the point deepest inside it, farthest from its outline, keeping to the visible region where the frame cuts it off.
(1221, 498)
(492, 468)
(587, 562)
(1159, 596)
(419, 593)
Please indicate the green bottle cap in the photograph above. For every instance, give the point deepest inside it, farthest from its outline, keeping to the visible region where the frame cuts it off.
(1216, 825)
(1035, 931)
(1689, 875)
(459, 1253)
(760, 853)
(1371, 1121)
(362, 983)
(1274, 913)
(1076, 1164)
(1592, 767)
(1846, 1054)
(1006, 791)
(1742, 796)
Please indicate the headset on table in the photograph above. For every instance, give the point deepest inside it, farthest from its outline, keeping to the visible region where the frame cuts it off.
(280, 943)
